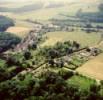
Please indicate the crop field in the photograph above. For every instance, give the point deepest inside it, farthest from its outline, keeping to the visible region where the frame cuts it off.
(19, 31)
(42, 14)
(21, 23)
(48, 13)
(13, 4)
(93, 68)
(83, 38)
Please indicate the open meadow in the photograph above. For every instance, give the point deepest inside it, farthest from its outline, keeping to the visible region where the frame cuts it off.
(83, 38)
(80, 81)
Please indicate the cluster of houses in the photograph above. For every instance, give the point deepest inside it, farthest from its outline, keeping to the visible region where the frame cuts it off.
(84, 55)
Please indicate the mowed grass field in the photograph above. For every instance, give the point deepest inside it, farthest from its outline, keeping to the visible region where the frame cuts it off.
(81, 37)
(81, 82)
(93, 68)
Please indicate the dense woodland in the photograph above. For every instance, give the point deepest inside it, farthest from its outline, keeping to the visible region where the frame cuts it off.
(50, 86)
(5, 22)
(7, 41)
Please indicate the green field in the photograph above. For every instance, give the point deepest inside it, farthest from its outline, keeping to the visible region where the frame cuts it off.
(81, 82)
(83, 38)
